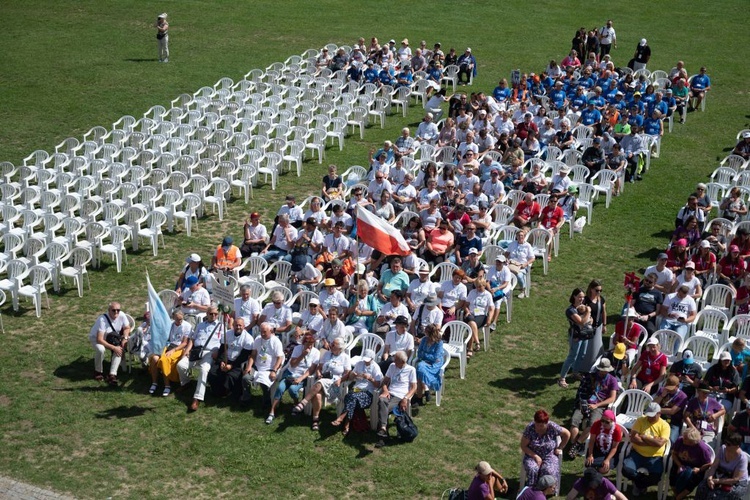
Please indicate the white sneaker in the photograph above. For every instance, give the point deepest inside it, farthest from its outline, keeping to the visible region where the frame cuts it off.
(522, 295)
(269, 418)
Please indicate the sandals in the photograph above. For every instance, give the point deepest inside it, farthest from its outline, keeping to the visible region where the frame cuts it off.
(152, 389)
(345, 430)
(316, 424)
(299, 408)
(562, 383)
(477, 347)
(337, 423)
(167, 391)
(269, 418)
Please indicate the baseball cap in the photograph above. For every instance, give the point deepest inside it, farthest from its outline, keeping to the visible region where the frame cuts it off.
(193, 257)
(652, 409)
(500, 258)
(662, 256)
(652, 341)
(597, 140)
(690, 265)
(705, 244)
(725, 356)
(473, 251)
(227, 241)
(368, 355)
(401, 320)
(191, 280)
(687, 357)
(484, 468)
(734, 248)
(682, 242)
(672, 382)
(643, 42)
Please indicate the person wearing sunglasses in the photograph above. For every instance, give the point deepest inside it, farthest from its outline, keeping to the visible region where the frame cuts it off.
(646, 302)
(110, 333)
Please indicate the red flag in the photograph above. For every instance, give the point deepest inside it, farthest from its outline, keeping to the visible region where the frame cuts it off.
(380, 235)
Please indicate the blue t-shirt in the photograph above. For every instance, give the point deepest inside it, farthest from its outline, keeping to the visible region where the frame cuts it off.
(590, 116)
(700, 82)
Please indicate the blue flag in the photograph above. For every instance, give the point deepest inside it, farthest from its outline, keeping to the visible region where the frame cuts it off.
(160, 320)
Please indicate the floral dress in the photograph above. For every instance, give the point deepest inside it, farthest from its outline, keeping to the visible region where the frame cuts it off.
(544, 446)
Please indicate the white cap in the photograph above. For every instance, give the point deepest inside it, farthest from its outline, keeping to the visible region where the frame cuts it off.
(473, 251)
(643, 42)
(193, 257)
(652, 341)
(368, 355)
(314, 301)
(163, 15)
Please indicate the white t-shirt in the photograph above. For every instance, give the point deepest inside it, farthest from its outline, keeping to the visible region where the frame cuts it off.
(331, 332)
(344, 217)
(177, 333)
(337, 246)
(398, 342)
(102, 325)
(664, 277)
(400, 379)
(502, 276)
(693, 283)
(311, 322)
(309, 272)
(677, 307)
(257, 232)
(208, 335)
(199, 297)
(316, 238)
(294, 213)
(277, 317)
(480, 303)
(418, 290)
(390, 313)
(246, 309)
(428, 316)
(319, 216)
(267, 352)
(452, 293)
(236, 343)
(335, 365)
(373, 370)
(311, 359)
(280, 234)
(336, 299)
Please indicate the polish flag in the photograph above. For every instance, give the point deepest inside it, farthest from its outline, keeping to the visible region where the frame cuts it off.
(380, 235)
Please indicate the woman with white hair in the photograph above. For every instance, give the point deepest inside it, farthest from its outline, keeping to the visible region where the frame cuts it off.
(333, 328)
(367, 376)
(162, 37)
(363, 310)
(332, 371)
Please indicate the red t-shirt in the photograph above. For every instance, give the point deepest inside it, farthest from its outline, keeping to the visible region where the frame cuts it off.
(732, 269)
(551, 217)
(744, 246)
(701, 263)
(596, 429)
(632, 335)
(675, 260)
(528, 211)
(651, 367)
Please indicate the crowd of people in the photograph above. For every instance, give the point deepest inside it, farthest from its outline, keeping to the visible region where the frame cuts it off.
(446, 189)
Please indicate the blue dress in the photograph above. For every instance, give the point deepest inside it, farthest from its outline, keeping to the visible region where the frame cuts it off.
(430, 361)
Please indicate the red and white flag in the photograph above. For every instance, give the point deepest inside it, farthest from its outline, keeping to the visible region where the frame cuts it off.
(380, 235)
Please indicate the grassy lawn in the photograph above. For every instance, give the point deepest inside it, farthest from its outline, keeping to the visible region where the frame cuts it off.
(68, 66)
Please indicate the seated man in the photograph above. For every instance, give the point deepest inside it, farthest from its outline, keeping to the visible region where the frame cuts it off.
(277, 314)
(646, 302)
(594, 485)
(110, 332)
(520, 255)
(226, 373)
(302, 363)
(645, 463)
(427, 132)
(664, 276)
(398, 386)
(527, 212)
(195, 299)
(405, 144)
(467, 67)
(292, 210)
(634, 147)
(699, 85)
(394, 278)
(246, 308)
(593, 157)
(202, 348)
(266, 359)
(688, 371)
(703, 413)
(679, 311)
(597, 391)
(281, 242)
(227, 256)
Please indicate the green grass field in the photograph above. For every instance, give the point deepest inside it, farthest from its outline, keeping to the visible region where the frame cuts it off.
(67, 66)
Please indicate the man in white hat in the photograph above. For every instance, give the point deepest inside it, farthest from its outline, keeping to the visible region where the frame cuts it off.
(645, 463)
(420, 288)
(162, 37)
(642, 55)
(427, 132)
(467, 67)
(743, 146)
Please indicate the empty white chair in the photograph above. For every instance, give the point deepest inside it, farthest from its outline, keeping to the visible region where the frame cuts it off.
(636, 400)
(189, 211)
(458, 344)
(38, 276)
(710, 323)
(155, 220)
(16, 270)
(737, 327)
(720, 297)
(79, 258)
(116, 247)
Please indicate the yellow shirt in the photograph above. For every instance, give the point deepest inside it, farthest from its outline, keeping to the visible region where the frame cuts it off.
(660, 428)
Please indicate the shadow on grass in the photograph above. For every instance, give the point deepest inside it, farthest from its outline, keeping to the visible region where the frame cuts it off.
(652, 253)
(529, 382)
(76, 371)
(124, 412)
(140, 60)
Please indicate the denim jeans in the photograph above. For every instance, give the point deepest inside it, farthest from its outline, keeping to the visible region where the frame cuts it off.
(275, 254)
(285, 384)
(635, 461)
(675, 326)
(576, 352)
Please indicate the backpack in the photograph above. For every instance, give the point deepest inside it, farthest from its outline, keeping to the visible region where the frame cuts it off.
(407, 430)
(360, 423)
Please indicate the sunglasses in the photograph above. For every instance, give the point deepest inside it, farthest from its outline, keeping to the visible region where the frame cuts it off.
(277, 303)
(115, 310)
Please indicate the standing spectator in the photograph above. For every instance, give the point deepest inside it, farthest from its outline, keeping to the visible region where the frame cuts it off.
(642, 55)
(579, 318)
(162, 37)
(607, 38)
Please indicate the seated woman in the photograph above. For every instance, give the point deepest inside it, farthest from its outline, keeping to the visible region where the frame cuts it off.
(439, 244)
(367, 376)
(534, 181)
(302, 364)
(479, 306)
(429, 364)
(384, 208)
(732, 207)
(363, 310)
(727, 476)
(193, 267)
(732, 269)
(166, 362)
(316, 212)
(332, 370)
(333, 328)
(541, 452)
(331, 297)
(689, 231)
(452, 295)
(691, 458)
(413, 230)
(487, 484)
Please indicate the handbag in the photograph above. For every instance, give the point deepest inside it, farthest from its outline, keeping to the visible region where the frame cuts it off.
(114, 337)
(159, 36)
(196, 352)
(585, 332)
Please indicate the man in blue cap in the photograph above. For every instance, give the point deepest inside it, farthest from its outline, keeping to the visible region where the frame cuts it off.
(227, 256)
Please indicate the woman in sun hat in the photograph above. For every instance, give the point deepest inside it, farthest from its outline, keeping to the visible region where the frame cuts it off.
(193, 267)
(628, 333)
(162, 36)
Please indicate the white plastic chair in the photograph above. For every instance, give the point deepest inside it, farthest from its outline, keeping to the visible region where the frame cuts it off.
(737, 327)
(704, 349)
(215, 195)
(367, 341)
(458, 343)
(670, 343)
(439, 393)
(39, 276)
(119, 235)
(444, 271)
(79, 258)
(636, 403)
(716, 297)
(540, 239)
(710, 323)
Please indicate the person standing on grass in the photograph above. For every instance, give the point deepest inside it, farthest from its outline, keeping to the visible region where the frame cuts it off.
(110, 332)
(162, 37)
